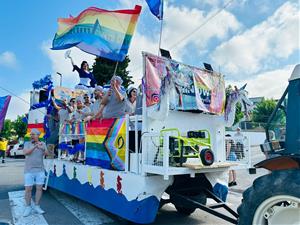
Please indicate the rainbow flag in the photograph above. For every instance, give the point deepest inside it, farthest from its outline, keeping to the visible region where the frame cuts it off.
(98, 31)
(106, 143)
(4, 102)
(39, 126)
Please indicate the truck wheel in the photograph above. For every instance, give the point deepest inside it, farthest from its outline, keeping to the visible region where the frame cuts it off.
(272, 199)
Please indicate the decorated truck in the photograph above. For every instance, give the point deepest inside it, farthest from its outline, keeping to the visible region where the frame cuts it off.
(174, 145)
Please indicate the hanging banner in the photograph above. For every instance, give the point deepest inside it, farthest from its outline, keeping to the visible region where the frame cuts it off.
(106, 143)
(188, 88)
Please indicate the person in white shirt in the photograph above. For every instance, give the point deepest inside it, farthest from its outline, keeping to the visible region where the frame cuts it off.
(80, 114)
(98, 93)
(239, 140)
(131, 100)
(64, 112)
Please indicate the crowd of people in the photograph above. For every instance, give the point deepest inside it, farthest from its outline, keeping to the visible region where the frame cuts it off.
(97, 102)
(110, 101)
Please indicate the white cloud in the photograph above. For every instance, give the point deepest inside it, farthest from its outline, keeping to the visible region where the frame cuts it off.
(256, 48)
(140, 43)
(18, 105)
(270, 84)
(184, 20)
(180, 21)
(176, 19)
(64, 66)
(8, 59)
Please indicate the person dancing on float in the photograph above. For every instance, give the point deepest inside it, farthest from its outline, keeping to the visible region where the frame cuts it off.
(87, 79)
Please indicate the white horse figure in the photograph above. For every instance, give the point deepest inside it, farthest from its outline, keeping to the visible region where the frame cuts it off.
(237, 95)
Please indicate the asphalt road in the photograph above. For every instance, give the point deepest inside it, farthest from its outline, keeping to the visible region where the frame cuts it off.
(63, 209)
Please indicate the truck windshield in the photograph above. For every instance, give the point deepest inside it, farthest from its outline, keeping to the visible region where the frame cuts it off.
(276, 127)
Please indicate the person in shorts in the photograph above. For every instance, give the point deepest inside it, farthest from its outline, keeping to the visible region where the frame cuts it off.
(34, 173)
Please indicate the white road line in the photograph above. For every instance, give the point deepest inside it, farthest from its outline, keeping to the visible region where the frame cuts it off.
(86, 213)
(17, 204)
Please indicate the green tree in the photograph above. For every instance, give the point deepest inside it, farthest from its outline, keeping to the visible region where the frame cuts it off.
(20, 127)
(263, 111)
(103, 70)
(238, 113)
(7, 131)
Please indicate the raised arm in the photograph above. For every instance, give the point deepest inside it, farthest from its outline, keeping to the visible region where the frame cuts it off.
(55, 105)
(119, 95)
(27, 150)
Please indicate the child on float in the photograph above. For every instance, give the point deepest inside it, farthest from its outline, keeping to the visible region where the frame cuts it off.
(65, 112)
(78, 126)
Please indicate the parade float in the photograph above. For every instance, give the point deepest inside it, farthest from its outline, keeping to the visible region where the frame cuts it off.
(174, 144)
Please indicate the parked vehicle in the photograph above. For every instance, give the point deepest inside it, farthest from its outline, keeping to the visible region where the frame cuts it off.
(17, 150)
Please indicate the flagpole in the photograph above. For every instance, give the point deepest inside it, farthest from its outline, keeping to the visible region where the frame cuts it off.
(161, 27)
(116, 67)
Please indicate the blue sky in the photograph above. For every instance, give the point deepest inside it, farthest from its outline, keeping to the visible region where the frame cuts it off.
(254, 41)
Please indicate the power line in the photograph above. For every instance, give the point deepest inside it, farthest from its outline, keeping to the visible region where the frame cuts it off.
(10, 92)
(194, 31)
(201, 25)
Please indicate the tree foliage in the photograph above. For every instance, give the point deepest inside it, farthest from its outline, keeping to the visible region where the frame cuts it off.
(14, 129)
(103, 70)
(263, 111)
(20, 127)
(7, 130)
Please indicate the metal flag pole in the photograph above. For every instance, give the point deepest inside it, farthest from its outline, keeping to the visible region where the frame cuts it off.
(116, 67)
(161, 25)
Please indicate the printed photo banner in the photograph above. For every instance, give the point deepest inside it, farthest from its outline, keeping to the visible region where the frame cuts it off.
(106, 143)
(189, 88)
(61, 93)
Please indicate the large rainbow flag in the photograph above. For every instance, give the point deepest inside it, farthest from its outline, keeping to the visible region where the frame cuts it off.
(98, 31)
(106, 143)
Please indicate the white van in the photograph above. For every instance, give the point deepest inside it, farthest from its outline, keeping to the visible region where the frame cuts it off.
(17, 150)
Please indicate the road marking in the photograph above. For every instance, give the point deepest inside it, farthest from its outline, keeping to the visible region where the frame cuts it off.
(86, 213)
(17, 204)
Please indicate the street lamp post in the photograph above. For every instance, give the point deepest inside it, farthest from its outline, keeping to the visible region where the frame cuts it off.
(60, 83)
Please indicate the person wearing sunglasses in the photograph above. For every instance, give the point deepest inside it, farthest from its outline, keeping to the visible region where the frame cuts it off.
(131, 100)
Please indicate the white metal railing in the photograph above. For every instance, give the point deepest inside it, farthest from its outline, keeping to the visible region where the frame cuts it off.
(237, 150)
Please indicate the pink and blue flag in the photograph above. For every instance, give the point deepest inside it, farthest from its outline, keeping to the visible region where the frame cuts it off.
(156, 7)
(4, 102)
(99, 32)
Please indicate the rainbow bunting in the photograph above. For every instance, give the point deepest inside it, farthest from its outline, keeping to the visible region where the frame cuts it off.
(98, 31)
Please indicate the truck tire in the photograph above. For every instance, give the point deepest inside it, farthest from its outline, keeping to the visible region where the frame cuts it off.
(272, 199)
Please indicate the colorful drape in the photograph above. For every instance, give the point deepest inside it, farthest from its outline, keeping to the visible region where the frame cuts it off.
(189, 88)
(106, 143)
(4, 102)
(98, 31)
